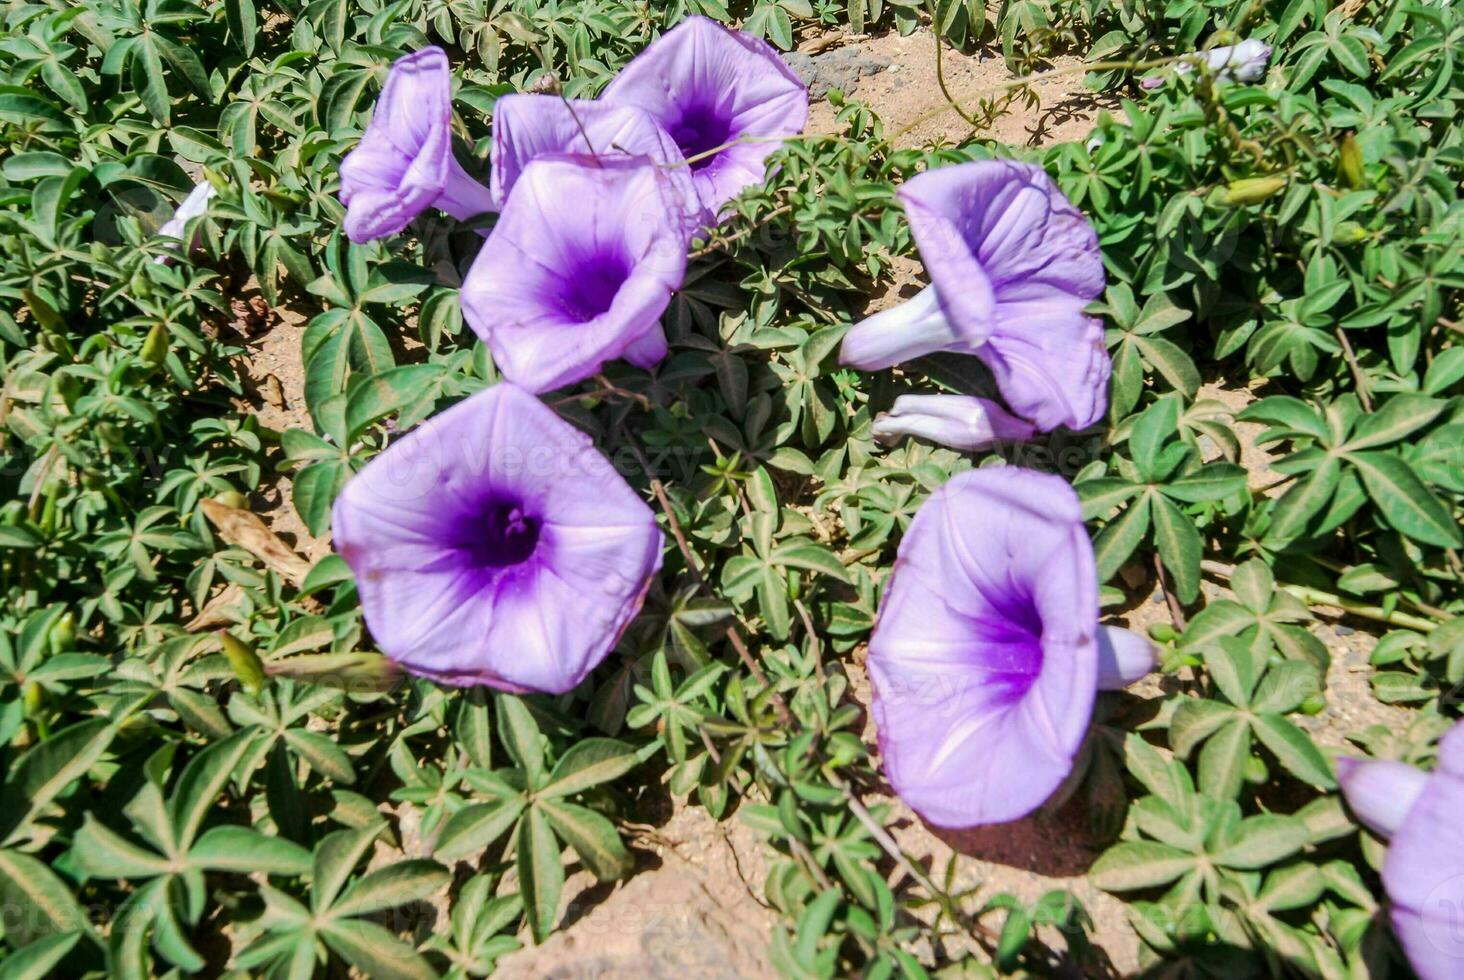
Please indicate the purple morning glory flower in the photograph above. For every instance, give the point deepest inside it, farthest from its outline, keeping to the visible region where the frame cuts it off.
(1424, 870)
(494, 545)
(987, 653)
(708, 86)
(578, 270)
(529, 126)
(959, 421)
(404, 163)
(1012, 264)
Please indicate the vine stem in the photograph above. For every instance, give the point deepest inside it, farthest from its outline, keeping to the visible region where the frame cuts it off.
(1176, 612)
(1317, 597)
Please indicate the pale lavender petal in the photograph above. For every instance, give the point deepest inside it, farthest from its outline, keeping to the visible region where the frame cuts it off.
(494, 545)
(914, 328)
(1123, 658)
(708, 86)
(578, 270)
(194, 205)
(984, 657)
(1245, 62)
(404, 163)
(959, 421)
(529, 126)
(1051, 365)
(1424, 869)
(1380, 792)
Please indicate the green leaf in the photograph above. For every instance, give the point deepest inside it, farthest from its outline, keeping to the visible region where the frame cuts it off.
(541, 874)
(1262, 840)
(1395, 420)
(48, 907)
(336, 856)
(1179, 544)
(813, 557)
(247, 851)
(1194, 720)
(1151, 431)
(1139, 864)
(103, 853)
(46, 771)
(1405, 501)
(386, 888)
(520, 736)
(475, 827)
(202, 781)
(375, 952)
(593, 838)
(1223, 759)
(589, 763)
(38, 960)
(1118, 539)
(1294, 749)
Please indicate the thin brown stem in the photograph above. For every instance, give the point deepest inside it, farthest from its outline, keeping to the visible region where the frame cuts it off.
(1176, 613)
(1358, 378)
(737, 236)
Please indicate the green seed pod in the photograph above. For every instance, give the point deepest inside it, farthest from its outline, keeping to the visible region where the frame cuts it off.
(245, 662)
(1252, 190)
(155, 347)
(63, 634)
(35, 699)
(1349, 163)
(1349, 233)
(1256, 771)
(1163, 633)
(1314, 705)
(140, 286)
(234, 499)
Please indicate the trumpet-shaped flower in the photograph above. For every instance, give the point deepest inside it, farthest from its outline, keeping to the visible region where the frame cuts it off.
(578, 270)
(404, 163)
(709, 86)
(1012, 264)
(528, 126)
(959, 421)
(494, 545)
(1424, 871)
(987, 651)
(194, 205)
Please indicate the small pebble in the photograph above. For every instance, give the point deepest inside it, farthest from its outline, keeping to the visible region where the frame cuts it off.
(1341, 630)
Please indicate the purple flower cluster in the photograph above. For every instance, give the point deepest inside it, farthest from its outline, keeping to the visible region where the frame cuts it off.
(495, 545)
(597, 199)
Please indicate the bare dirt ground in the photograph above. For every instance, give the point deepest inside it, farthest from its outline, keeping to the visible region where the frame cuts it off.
(695, 908)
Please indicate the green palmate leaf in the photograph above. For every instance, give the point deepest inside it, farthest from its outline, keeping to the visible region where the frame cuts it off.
(30, 887)
(1262, 840)
(336, 856)
(391, 886)
(593, 838)
(1306, 499)
(541, 873)
(520, 736)
(589, 763)
(374, 951)
(1295, 750)
(1223, 760)
(1405, 501)
(1118, 539)
(1195, 720)
(1395, 420)
(1153, 429)
(47, 770)
(1179, 544)
(475, 827)
(202, 781)
(39, 959)
(1139, 864)
(246, 851)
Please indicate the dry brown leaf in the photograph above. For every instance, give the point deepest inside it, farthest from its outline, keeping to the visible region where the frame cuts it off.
(244, 529)
(219, 611)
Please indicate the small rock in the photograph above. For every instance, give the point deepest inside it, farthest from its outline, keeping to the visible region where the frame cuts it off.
(840, 68)
(1341, 630)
